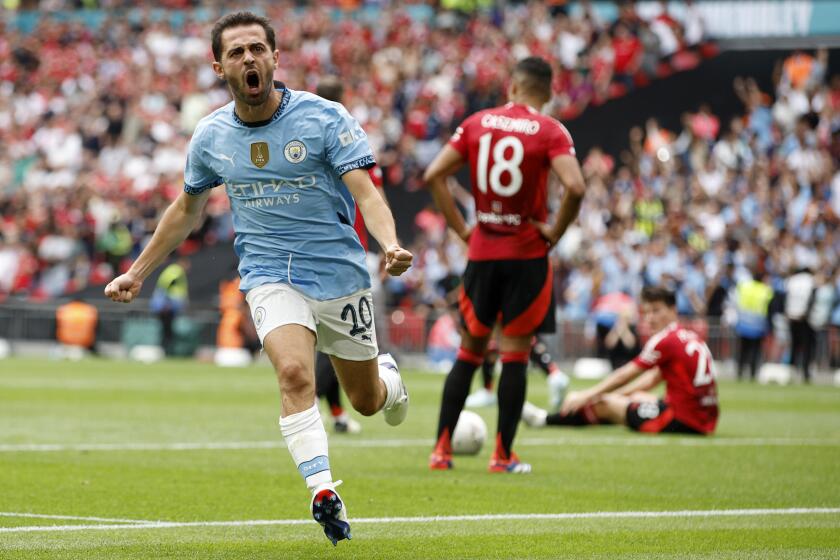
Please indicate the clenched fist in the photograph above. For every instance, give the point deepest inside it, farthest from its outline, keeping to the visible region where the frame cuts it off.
(397, 260)
(123, 288)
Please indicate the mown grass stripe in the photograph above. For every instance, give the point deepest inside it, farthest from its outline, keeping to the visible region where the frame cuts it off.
(442, 519)
(638, 441)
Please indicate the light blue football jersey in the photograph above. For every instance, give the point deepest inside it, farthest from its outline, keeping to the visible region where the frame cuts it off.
(292, 214)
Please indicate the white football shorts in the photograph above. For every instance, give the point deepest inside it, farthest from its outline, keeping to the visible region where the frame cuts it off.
(343, 327)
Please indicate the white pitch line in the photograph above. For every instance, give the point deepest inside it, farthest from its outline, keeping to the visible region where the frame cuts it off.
(638, 441)
(648, 440)
(176, 446)
(69, 517)
(442, 519)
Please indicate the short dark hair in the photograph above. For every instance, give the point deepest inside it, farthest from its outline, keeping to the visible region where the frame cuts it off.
(331, 88)
(535, 75)
(239, 19)
(653, 294)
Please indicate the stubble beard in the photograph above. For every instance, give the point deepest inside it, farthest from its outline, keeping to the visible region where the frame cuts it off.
(252, 101)
(240, 85)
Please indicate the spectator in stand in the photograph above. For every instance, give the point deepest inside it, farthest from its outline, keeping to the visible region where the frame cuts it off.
(628, 51)
(116, 244)
(759, 117)
(668, 30)
(797, 70)
(695, 26)
(704, 124)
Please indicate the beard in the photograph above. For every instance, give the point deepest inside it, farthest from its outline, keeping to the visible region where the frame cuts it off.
(249, 99)
(244, 92)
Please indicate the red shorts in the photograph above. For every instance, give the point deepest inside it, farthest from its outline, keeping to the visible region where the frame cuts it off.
(515, 293)
(656, 418)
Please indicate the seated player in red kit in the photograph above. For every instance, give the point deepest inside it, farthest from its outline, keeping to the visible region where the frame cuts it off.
(674, 355)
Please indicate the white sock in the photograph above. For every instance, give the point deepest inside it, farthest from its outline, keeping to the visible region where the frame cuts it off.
(393, 385)
(307, 442)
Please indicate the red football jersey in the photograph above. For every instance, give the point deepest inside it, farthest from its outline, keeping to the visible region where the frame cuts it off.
(510, 149)
(359, 224)
(686, 366)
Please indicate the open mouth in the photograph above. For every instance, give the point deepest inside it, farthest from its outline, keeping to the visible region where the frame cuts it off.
(252, 81)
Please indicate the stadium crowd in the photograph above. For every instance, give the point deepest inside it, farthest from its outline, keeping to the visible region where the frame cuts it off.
(95, 119)
(703, 209)
(709, 206)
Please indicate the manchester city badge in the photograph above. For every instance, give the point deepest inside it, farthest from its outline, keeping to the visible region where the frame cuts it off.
(295, 151)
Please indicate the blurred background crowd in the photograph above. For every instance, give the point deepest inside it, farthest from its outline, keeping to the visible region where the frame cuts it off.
(95, 119)
(96, 114)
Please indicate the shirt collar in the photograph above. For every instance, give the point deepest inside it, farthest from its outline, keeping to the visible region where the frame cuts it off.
(284, 101)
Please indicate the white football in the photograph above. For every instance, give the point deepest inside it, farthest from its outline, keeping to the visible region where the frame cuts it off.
(469, 435)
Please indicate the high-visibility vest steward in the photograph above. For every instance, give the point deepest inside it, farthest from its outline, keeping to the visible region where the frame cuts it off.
(76, 324)
(752, 300)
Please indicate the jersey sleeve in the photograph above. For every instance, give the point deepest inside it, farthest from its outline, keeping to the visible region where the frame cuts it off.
(459, 139)
(198, 175)
(345, 141)
(653, 354)
(560, 142)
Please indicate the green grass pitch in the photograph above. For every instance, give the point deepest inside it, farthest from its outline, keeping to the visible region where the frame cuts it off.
(185, 460)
